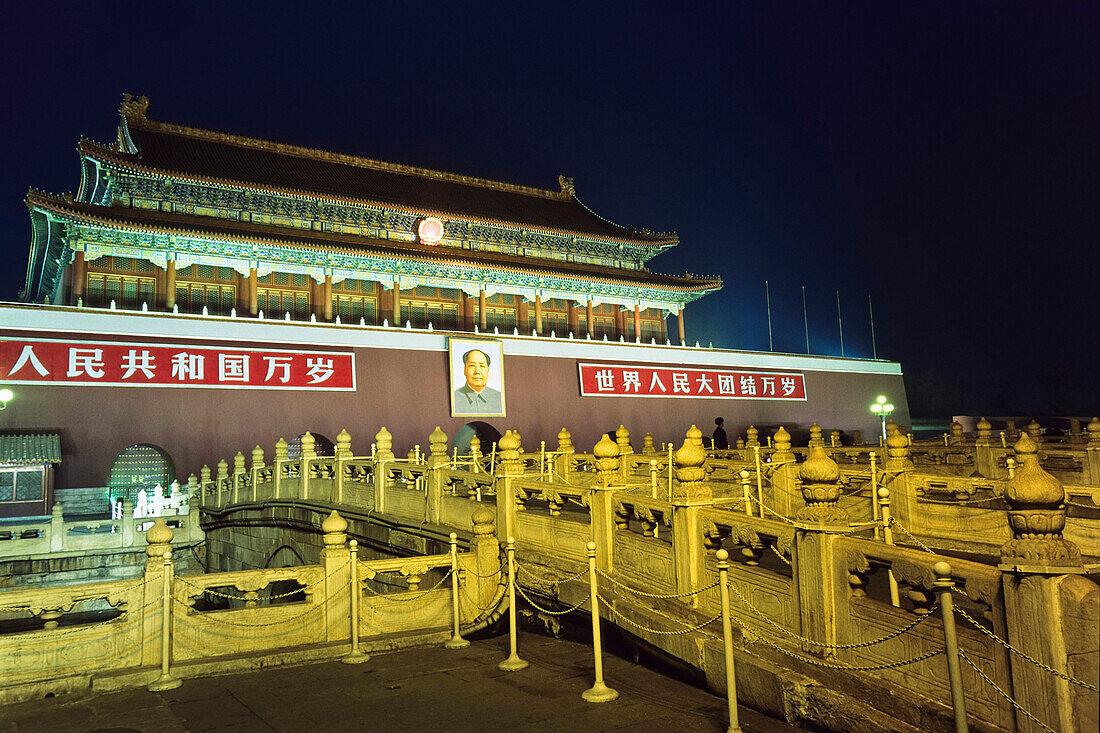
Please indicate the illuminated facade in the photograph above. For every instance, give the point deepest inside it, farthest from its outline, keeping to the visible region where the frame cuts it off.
(177, 218)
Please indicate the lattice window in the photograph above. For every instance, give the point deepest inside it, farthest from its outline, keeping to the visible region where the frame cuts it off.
(22, 483)
(128, 291)
(352, 308)
(301, 281)
(218, 299)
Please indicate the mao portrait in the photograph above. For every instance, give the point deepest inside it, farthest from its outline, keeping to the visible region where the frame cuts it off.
(477, 377)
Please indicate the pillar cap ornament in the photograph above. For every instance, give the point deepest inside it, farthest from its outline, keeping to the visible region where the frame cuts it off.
(483, 519)
(782, 441)
(309, 445)
(257, 457)
(689, 460)
(565, 442)
(158, 540)
(1093, 429)
(815, 436)
(647, 445)
(383, 445)
(335, 528)
(985, 432)
(1036, 514)
(437, 442)
(343, 444)
(820, 477)
(753, 437)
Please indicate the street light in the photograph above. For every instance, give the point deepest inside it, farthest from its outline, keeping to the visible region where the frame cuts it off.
(6, 396)
(882, 408)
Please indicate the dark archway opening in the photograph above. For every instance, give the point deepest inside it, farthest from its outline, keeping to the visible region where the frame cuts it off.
(486, 433)
(322, 446)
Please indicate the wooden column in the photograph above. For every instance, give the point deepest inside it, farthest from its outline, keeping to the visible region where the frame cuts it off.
(538, 314)
(170, 286)
(482, 316)
(637, 322)
(523, 316)
(80, 270)
(680, 325)
(397, 304)
(574, 318)
(589, 321)
(326, 294)
(253, 292)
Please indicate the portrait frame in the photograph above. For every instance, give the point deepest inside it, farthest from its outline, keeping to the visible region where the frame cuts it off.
(466, 399)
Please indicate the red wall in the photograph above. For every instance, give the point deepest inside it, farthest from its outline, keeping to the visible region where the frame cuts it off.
(407, 391)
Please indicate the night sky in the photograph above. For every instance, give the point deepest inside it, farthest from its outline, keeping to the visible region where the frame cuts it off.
(942, 159)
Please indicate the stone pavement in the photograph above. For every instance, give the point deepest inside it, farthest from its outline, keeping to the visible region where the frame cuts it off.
(430, 689)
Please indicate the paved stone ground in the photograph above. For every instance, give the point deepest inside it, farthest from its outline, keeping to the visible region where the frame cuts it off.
(431, 689)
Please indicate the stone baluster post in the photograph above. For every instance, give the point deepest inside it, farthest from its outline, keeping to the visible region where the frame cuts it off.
(622, 440)
(343, 455)
(257, 471)
(784, 474)
(815, 436)
(648, 449)
(486, 549)
(158, 539)
(221, 483)
(194, 494)
(1043, 579)
(475, 458)
(601, 499)
(1092, 451)
(57, 528)
(509, 467)
(1010, 431)
(957, 437)
(819, 571)
(278, 468)
(206, 487)
(752, 438)
(383, 454)
(983, 449)
(438, 461)
(238, 476)
(897, 474)
(129, 525)
(1075, 434)
(834, 438)
(564, 460)
(306, 464)
(689, 495)
(336, 560)
(1034, 431)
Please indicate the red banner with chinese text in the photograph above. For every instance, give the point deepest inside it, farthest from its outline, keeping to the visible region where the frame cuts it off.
(621, 380)
(120, 364)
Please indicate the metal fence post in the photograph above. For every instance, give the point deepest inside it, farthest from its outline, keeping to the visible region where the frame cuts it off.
(513, 663)
(727, 639)
(456, 641)
(942, 585)
(166, 681)
(356, 656)
(598, 692)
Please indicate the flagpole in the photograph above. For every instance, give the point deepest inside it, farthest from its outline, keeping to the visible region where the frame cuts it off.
(768, 297)
(840, 323)
(805, 319)
(871, 311)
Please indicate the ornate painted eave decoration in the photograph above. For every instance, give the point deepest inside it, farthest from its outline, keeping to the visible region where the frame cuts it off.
(93, 228)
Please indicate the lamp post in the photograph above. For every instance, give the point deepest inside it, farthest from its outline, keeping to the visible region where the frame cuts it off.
(882, 408)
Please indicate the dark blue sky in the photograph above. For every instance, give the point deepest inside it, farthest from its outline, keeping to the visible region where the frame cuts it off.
(939, 157)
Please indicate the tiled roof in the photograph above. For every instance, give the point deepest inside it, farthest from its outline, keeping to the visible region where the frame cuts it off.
(30, 449)
(203, 154)
(215, 228)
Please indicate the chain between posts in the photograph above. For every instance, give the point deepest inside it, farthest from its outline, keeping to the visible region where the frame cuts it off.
(959, 502)
(548, 611)
(1021, 654)
(643, 594)
(1004, 694)
(779, 554)
(549, 583)
(864, 668)
(250, 624)
(812, 642)
(493, 574)
(659, 632)
(895, 523)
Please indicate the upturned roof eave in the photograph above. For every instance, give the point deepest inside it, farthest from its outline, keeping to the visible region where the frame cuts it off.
(109, 156)
(62, 207)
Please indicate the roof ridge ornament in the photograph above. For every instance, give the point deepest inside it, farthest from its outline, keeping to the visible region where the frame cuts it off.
(134, 106)
(566, 184)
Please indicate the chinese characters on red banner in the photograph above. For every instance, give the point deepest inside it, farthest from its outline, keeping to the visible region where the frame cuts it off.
(123, 364)
(617, 380)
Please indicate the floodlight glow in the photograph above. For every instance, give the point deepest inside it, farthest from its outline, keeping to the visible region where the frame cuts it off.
(6, 396)
(876, 407)
(887, 408)
(881, 399)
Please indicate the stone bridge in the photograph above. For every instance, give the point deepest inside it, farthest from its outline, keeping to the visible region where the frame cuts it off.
(834, 623)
